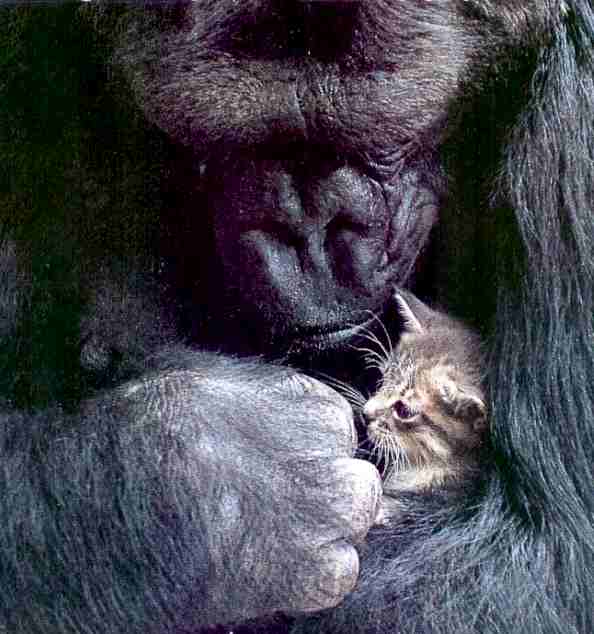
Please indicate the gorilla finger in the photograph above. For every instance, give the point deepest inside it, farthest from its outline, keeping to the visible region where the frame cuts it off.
(332, 427)
(390, 509)
(332, 581)
(355, 499)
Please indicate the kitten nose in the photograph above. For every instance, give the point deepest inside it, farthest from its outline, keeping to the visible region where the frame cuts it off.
(375, 407)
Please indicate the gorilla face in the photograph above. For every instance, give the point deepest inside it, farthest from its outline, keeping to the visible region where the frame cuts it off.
(314, 131)
(311, 243)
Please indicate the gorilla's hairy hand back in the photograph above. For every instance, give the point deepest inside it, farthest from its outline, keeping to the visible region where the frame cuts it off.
(211, 490)
(269, 456)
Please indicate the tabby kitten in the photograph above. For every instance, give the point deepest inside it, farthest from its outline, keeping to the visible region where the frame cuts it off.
(428, 418)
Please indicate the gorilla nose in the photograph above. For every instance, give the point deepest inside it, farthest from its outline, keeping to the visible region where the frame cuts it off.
(339, 221)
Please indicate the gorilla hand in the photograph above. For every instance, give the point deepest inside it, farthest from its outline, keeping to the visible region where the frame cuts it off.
(267, 455)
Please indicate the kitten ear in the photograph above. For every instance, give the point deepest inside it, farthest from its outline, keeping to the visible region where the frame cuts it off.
(467, 401)
(411, 310)
(472, 408)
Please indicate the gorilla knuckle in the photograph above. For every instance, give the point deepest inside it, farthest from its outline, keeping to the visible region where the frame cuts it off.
(358, 495)
(336, 421)
(336, 577)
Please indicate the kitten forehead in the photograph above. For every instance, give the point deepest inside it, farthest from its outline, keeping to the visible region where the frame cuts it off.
(442, 373)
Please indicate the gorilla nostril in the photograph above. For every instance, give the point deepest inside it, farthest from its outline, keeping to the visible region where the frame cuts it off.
(339, 234)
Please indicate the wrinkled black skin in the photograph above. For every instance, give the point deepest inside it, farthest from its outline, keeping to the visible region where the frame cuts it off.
(489, 119)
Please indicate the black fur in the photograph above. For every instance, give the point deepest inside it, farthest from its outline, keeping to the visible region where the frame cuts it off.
(518, 557)
(108, 261)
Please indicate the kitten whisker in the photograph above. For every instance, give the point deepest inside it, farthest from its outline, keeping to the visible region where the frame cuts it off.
(376, 450)
(373, 338)
(403, 459)
(361, 449)
(384, 454)
(372, 358)
(386, 333)
(393, 453)
(356, 398)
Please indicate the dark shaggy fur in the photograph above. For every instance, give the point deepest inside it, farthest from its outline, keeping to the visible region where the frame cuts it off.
(100, 529)
(520, 557)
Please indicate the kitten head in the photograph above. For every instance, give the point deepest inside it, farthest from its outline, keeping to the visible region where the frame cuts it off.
(430, 407)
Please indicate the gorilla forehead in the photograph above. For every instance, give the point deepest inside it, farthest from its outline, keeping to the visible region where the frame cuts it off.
(252, 71)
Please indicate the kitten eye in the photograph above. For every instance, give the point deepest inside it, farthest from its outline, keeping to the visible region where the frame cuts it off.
(403, 411)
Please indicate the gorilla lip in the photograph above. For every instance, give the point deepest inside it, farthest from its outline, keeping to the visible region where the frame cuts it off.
(331, 338)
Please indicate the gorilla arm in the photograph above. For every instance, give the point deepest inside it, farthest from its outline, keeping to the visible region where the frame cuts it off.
(180, 500)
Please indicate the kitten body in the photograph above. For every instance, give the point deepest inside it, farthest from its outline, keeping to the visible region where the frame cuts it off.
(428, 418)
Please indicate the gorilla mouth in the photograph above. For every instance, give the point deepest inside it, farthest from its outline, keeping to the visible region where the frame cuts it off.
(329, 337)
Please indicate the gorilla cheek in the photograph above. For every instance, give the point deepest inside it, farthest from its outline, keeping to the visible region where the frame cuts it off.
(416, 199)
(309, 246)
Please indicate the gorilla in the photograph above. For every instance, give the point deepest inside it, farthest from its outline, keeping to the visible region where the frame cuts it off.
(204, 208)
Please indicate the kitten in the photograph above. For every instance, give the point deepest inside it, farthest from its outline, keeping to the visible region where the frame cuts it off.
(428, 418)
